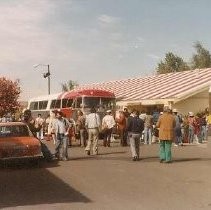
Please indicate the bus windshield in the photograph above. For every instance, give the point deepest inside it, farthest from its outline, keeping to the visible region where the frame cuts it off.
(106, 103)
(91, 102)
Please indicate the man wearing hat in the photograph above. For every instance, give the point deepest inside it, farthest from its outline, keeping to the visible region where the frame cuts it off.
(191, 122)
(108, 123)
(61, 127)
(166, 124)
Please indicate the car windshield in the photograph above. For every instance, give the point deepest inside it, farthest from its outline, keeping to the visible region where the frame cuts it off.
(14, 131)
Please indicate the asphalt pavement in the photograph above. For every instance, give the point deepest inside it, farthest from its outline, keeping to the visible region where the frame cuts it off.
(111, 181)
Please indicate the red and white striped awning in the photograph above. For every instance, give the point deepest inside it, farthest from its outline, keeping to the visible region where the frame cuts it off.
(172, 86)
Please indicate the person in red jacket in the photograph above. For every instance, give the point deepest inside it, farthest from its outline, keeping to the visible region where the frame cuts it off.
(121, 124)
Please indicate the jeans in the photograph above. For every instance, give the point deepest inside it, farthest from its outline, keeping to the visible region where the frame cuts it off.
(134, 144)
(204, 132)
(40, 134)
(82, 133)
(61, 146)
(148, 135)
(190, 134)
(178, 140)
(165, 150)
(107, 137)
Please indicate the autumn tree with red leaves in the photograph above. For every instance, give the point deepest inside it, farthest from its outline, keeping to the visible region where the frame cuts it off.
(9, 94)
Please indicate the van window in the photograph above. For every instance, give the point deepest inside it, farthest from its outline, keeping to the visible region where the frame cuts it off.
(43, 104)
(33, 105)
(55, 104)
(58, 104)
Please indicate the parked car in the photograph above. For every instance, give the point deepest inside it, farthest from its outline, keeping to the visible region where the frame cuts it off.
(17, 142)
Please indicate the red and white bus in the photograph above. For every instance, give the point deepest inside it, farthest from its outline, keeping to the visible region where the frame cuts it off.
(72, 101)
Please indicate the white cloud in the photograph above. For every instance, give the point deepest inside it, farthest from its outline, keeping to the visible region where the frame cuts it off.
(154, 57)
(140, 39)
(106, 19)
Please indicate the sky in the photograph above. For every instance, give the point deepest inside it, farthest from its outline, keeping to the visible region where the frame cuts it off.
(91, 41)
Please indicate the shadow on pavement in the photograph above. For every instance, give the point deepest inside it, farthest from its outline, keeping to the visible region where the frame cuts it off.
(97, 157)
(35, 186)
(190, 159)
(110, 153)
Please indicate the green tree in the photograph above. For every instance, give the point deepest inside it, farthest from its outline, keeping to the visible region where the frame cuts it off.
(70, 85)
(171, 63)
(202, 58)
(9, 94)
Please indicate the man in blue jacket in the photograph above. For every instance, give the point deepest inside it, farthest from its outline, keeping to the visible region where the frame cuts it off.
(135, 128)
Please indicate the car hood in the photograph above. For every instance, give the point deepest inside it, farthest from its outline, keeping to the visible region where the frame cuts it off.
(14, 141)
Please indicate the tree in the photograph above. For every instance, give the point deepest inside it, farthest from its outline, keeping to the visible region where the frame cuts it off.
(9, 94)
(70, 85)
(202, 58)
(171, 63)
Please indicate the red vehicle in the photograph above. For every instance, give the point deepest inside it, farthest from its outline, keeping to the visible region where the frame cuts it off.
(17, 142)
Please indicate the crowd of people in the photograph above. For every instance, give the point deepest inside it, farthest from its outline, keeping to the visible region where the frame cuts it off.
(132, 128)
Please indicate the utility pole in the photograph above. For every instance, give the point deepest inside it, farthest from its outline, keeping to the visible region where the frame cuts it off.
(46, 75)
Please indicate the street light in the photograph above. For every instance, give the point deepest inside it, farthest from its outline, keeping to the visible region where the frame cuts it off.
(46, 75)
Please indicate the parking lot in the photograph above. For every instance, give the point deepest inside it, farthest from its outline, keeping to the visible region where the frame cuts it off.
(112, 181)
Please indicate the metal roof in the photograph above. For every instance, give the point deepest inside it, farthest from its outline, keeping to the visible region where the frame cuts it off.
(173, 86)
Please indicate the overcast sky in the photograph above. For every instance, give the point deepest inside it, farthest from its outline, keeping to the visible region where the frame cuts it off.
(95, 40)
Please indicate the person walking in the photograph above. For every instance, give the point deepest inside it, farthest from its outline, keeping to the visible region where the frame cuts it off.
(166, 124)
(39, 122)
(191, 123)
(177, 129)
(93, 125)
(203, 128)
(61, 127)
(28, 119)
(51, 131)
(135, 127)
(148, 126)
(121, 127)
(108, 123)
(81, 129)
(46, 124)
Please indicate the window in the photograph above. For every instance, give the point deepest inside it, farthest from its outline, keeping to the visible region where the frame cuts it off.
(58, 104)
(43, 104)
(64, 103)
(33, 105)
(108, 103)
(78, 103)
(91, 102)
(14, 131)
(53, 102)
(69, 102)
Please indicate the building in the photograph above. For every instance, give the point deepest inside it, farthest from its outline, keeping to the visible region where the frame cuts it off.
(186, 91)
